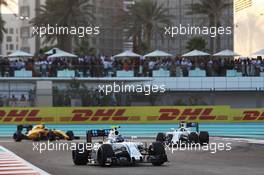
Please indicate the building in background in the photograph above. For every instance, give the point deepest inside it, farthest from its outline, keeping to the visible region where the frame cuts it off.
(249, 26)
(110, 40)
(179, 10)
(11, 39)
(27, 11)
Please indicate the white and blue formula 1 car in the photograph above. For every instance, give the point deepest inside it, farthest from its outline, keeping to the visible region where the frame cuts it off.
(116, 151)
(184, 134)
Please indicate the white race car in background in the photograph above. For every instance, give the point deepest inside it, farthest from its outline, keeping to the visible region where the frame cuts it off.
(184, 134)
(116, 151)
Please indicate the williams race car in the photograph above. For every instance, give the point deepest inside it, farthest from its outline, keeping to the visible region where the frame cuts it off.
(116, 151)
(40, 132)
(184, 134)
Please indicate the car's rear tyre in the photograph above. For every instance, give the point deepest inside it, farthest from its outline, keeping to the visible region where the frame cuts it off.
(161, 137)
(194, 137)
(80, 155)
(204, 137)
(18, 136)
(157, 150)
(70, 134)
(104, 152)
(39, 137)
(51, 136)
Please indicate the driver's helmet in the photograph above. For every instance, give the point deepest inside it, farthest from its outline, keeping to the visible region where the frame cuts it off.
(119, 139)
(182, 129)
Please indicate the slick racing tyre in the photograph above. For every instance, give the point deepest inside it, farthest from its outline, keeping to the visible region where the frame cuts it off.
(39, 137)
(104, 152)
(194, 137)
(18, 136)
(204, 137)
(157, 153)
(70, 134)
(51, 136)
(80, 155)
(161, 137)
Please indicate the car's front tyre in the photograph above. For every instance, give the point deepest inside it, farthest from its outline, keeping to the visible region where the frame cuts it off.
(18, 136)
(157, 154)
(105, 152)
(80, 155)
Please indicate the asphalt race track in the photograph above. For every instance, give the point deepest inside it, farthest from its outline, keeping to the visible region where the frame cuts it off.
(243, 159)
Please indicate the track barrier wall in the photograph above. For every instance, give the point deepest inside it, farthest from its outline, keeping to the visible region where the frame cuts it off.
(129, 115)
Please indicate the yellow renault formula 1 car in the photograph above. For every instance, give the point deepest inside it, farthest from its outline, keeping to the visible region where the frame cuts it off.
(40, 132)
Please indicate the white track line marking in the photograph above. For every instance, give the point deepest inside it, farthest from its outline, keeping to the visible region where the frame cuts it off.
(15, 165)
(241, 140)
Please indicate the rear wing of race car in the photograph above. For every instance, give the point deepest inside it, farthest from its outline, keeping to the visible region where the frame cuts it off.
(96, 133)
(190, 125)
(21, 127)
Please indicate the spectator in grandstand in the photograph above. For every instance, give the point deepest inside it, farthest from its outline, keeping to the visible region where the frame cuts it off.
(13, 101)
(23, 98)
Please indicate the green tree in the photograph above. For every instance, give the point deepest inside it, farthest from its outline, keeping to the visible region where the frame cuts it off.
(196, 43)
(64, 13)
(214, 10)
(142, 20)
(82, 47)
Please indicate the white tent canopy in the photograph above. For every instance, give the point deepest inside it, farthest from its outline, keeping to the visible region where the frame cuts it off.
(63, 54)
(158, 53)
(259, 53)
(226, 53)
(127, 54)
(51, 52)
(196, 53)
(19, 53)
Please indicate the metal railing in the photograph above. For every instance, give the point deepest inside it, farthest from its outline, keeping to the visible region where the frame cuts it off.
(138, 71)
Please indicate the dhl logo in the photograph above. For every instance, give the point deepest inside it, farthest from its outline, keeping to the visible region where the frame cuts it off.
(20, 115)
(253, 115)
(188, 114)
(204, 114)
(99, 115)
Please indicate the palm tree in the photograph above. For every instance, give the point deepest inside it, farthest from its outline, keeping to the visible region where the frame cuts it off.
(143, 19)
(83, 47)
(64, 13)
(196, 43)
(213, 9)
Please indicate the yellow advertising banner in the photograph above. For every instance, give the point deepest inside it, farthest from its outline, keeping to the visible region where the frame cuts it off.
(129, 115)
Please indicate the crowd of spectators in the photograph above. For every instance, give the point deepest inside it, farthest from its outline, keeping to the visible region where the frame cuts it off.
(91, 66)
(17, 100)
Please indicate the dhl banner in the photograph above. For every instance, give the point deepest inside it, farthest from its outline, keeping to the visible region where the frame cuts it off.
(129, 115)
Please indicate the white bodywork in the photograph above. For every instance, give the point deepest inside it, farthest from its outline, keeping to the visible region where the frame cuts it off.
(131, 147)
(178, 133)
